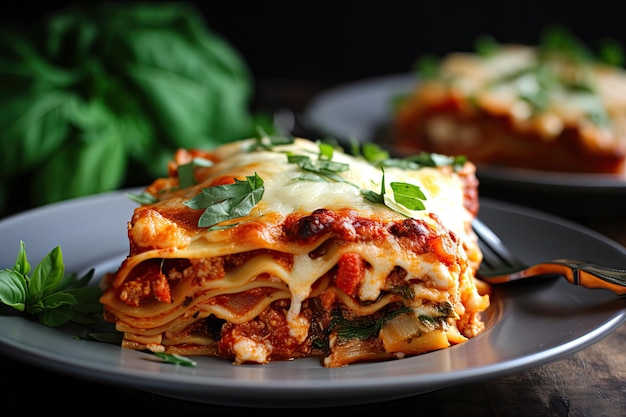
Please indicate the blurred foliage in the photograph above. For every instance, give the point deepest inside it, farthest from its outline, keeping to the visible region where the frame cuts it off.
(98, 96)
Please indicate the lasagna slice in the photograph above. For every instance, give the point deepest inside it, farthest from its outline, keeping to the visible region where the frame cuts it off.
(266, 250)
(533, 107)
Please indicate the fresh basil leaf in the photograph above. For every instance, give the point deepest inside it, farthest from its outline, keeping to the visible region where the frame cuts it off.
(227, 202)
(21, 262)
(486, 45)
(332, 166)
(373, 196)
(560, 39)
(299, 160)
(408, 195)
(265, 141)
(13, 289)
(55, 316)
(111, 337)
(321, 166)
(326, 151)
(373, 153)
(142, 198)
(88, 309)
(185, 175)
(71, 281)
(48, 294)
(427, 66)
(311, 176)
(175, 359)
(46, 275)
(611, 52)
(58, 299)
(186, 171)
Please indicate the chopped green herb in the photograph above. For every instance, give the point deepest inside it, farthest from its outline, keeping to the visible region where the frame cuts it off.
(326, 151)
(405, 194)
(185, 175)
(425, 159)
(185, 171)
(405, 291)
(227, 202)
(142, 198)
(265, 141)
(431, 323)
(363, 328)
(611, 52)
(374, 154)
(559, 39)
(408, 195)
(486, 45)
(175, 359)
(324, 169)
(427, 66)
(376, 197)
(112, 336)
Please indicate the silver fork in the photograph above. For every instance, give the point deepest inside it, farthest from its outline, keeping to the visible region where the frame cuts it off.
(499, 266)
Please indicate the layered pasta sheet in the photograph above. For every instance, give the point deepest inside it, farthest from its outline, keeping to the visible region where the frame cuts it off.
(275, 249)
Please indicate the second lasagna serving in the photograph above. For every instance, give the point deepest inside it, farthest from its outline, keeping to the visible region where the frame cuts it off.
(264, 250)
(551, 107)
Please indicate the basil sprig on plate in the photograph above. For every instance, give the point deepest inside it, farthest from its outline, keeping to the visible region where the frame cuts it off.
(47, 293)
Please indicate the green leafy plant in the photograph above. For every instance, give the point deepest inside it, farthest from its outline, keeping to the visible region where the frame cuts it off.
(47, 293)
(99, 95)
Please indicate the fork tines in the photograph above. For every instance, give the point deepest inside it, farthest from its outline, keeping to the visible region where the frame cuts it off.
(495, 253)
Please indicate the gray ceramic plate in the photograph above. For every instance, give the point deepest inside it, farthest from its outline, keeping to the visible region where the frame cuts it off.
(528, 325)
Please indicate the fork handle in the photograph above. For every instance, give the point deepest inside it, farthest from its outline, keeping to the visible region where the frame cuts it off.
(584, 273)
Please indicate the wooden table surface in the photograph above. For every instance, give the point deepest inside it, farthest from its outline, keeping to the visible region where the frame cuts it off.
(591, 382)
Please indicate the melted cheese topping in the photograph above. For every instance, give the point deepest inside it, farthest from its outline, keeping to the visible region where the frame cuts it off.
(285, 192)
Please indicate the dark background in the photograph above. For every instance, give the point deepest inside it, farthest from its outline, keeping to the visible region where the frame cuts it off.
(335, 42)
